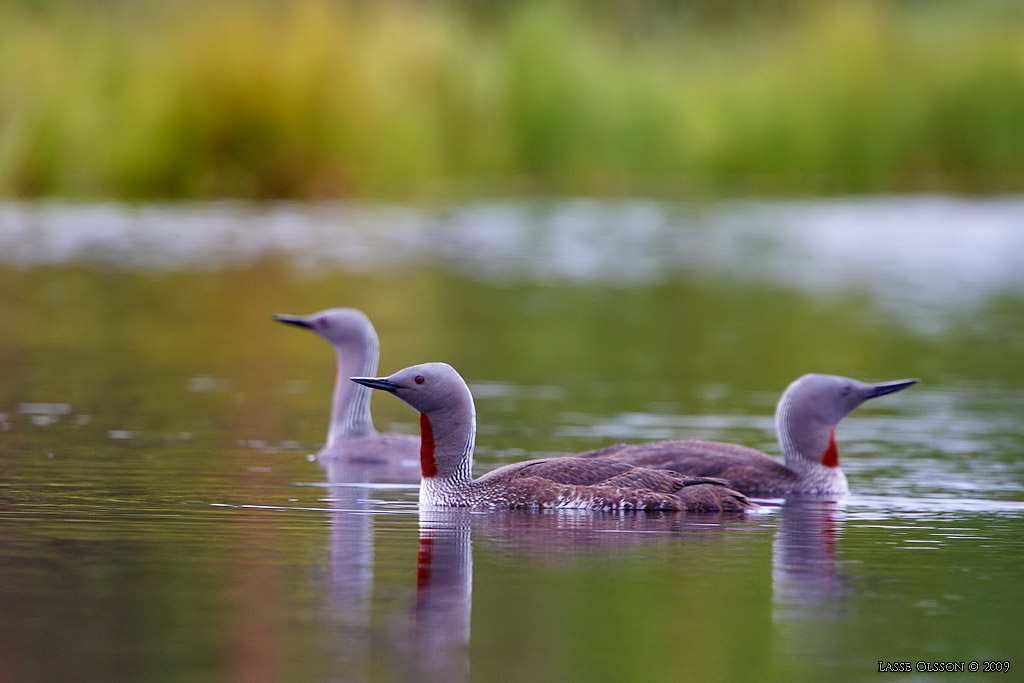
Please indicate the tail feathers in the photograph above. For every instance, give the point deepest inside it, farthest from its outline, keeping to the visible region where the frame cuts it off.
(711, 493)
(713, 497)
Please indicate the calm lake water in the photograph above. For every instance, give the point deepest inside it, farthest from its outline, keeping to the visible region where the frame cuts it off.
(162, 516)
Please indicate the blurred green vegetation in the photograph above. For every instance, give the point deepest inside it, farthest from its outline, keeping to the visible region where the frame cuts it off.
(419, 100)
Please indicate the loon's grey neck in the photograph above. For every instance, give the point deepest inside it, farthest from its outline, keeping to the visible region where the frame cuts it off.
(807, 443)
(350, 407)
(809, 448)
(447, 439)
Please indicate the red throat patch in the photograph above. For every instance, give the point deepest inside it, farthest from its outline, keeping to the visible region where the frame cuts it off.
(428, 466)
(830, 458)
(423, 559)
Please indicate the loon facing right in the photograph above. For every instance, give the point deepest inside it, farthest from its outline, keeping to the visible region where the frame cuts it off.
(805, 421)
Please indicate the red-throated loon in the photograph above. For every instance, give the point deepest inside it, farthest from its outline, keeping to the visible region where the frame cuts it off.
(351, 435)
(448, 431)
(805, 420)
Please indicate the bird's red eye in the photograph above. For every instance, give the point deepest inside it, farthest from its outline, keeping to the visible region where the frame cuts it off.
(321, 321)
(419, 379)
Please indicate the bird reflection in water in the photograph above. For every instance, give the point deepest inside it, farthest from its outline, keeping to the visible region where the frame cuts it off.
(444, 589)
(429, 638)
(350, 582)
(444, 571)
(810, 588)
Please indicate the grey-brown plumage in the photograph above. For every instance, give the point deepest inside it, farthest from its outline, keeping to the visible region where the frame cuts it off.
(746, 469)
(448, 432)
(805, 420)
(597, 484)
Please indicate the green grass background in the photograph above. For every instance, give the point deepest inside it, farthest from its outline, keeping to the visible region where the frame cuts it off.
(440, 100)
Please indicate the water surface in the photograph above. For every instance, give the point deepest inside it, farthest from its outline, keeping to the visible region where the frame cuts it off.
(162, 516)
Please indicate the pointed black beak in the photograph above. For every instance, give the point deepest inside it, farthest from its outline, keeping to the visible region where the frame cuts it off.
(298, 321)
(377, 383)
(884, 388)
